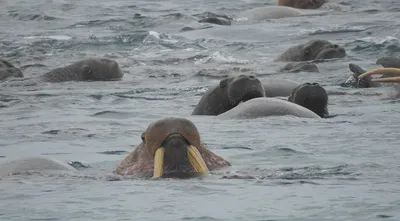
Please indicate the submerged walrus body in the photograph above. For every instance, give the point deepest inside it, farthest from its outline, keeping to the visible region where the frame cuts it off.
(85, 70)
(303, 4)
(37, 164)
(92, 69)
(254, 15)
(171, 147)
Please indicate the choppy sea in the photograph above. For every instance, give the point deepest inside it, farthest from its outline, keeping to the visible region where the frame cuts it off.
(283, 168)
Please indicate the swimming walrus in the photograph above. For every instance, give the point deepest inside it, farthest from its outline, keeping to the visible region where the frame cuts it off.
(91, 69)
(266, 107)
(8, 70)
(367, 81)
(311, 96)
(171, 147)
(228, 94)
(303, 4)
(253, 15)
(312, 50)
(35, 163)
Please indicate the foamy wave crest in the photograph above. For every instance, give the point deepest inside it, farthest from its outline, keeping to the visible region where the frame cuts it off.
(218, 57)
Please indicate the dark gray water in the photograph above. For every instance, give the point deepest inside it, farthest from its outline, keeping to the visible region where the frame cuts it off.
(284, 168)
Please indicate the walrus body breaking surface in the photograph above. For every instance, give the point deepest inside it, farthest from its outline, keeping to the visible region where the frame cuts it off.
(91, 69)
(37, 164)
(266, 107)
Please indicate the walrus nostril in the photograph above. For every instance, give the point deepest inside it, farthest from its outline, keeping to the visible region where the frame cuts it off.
(252, 77)
(307, 83)
(335, 46)
(315, 84)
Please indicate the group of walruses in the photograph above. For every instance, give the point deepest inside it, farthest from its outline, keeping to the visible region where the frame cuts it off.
(172, 147)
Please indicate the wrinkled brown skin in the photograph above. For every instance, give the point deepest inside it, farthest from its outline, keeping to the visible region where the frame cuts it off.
(141, 160)
(302, 4)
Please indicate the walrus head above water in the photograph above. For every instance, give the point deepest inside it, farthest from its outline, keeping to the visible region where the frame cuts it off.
(303, 4)
(313, 50)
(171, 147)
(91, 69)
(311, 96)
(228, 94)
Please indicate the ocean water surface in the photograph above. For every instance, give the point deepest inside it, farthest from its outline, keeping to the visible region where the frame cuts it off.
(283, 168)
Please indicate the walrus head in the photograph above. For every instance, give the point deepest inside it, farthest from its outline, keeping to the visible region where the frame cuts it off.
(174, 143)
(242, 88)
(171, 147)
(321, 49)
(311, 96)
(303, 4)
(313, 50)
(354, 80)
(100, 70)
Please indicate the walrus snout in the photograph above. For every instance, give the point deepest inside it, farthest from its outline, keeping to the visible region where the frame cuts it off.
(331, 51)
(175, 150)
(311, 96)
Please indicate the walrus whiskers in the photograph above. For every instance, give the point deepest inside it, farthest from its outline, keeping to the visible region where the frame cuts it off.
(158, 162)
(395, 71)
(196, 160)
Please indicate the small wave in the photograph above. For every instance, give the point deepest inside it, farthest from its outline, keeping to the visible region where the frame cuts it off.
(295, 174)
(388, 46)
(114, 152)
(237, 147)
(219, 57)
(112, 114)
(31, 17)
(205, 218)
(337, 30)
(78, 165)
(220, 74)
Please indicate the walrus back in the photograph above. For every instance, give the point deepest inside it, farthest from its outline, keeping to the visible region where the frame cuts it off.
(264, 107)
(61, 75)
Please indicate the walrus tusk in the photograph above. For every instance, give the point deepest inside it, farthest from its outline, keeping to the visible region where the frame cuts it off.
(387, 80)
(395, 71)
(196, 160)
(158, 162)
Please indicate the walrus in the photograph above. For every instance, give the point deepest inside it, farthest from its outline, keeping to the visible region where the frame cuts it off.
(303, 4)
(36, 163)
(255, 14)
(311, 96)
(266, 107)
(367, 82)
(91, 69)
(171, 147)
(8, 70)
(274, 87)
(313, 50)
(228, 94)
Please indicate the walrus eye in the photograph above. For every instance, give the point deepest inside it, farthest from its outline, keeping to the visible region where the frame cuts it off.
(307, 51)
(223, 83)
(142, 136)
